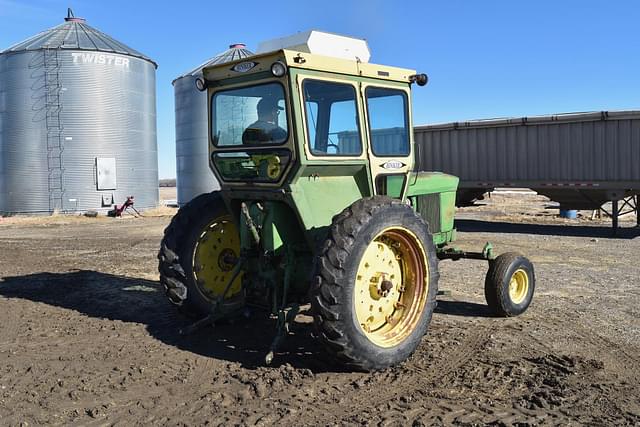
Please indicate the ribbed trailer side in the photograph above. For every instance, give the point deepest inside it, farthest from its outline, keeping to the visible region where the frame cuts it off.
(580, 160)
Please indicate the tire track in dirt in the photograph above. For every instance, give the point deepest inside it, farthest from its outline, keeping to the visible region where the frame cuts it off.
(531, 390)
(465, 351)
(392, 391)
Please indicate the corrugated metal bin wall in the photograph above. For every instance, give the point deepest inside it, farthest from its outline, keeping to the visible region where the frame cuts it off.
(192, 152)
(23, 153)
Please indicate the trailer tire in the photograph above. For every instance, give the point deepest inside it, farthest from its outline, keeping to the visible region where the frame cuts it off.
(375, 286)
(509, 284)
(178, 252)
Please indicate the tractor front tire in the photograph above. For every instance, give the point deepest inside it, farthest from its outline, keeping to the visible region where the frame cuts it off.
(376, 282)
(509, 284)
(196, 255)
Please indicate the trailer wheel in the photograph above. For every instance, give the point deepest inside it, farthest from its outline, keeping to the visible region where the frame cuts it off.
(375, 285)
(197, 255)
(509, 284)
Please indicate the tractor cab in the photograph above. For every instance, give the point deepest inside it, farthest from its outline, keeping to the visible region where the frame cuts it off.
(309, 109)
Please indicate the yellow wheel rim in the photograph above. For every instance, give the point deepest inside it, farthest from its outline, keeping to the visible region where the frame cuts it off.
(216, 252)
(391, 286)
(519, 286)
(273, 167)
(269, 165)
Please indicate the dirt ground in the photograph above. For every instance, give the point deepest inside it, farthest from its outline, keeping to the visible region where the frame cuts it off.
(87, 337)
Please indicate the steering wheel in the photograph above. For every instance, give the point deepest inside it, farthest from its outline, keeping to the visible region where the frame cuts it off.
(336, 146)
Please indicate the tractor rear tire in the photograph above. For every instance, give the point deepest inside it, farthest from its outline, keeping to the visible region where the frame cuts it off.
(509, 284)
(180, 260)
(375, 285)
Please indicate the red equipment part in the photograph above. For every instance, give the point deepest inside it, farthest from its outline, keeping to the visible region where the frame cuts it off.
(117, 211)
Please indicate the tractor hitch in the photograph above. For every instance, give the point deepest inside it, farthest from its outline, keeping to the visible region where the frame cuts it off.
(285, 318)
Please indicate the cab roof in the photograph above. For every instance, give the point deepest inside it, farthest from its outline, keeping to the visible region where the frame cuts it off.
(309, 61)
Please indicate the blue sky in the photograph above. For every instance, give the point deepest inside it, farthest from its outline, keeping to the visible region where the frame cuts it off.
(484, 58)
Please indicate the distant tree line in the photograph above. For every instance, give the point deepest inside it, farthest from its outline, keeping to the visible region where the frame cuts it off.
(171, 182)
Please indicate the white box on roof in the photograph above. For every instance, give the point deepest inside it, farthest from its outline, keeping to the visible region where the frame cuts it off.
(320, 43)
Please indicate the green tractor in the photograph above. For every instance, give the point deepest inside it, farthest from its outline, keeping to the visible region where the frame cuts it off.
(320, 204)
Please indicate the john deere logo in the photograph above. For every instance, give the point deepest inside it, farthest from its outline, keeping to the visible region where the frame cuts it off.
(393, 164)
(243, 67)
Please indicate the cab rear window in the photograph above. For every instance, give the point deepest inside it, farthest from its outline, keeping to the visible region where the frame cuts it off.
(249, 116)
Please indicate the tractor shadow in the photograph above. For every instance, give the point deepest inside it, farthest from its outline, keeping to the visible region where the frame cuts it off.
(128, 299)
(473, 225)
(463, 308)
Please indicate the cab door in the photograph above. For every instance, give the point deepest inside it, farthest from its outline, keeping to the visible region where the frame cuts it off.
(390, 134)
(334, 169)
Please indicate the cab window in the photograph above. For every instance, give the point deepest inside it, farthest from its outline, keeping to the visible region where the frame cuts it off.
(249, 116)
(388, 121)
(332, 118)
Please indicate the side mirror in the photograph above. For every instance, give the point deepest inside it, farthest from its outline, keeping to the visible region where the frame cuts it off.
(420, 79)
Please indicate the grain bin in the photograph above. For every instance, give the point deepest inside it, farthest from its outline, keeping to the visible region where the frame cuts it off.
(192, 152)
(77, 123)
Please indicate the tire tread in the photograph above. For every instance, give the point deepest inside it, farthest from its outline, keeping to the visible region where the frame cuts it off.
(172, 273)
(496, 291)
